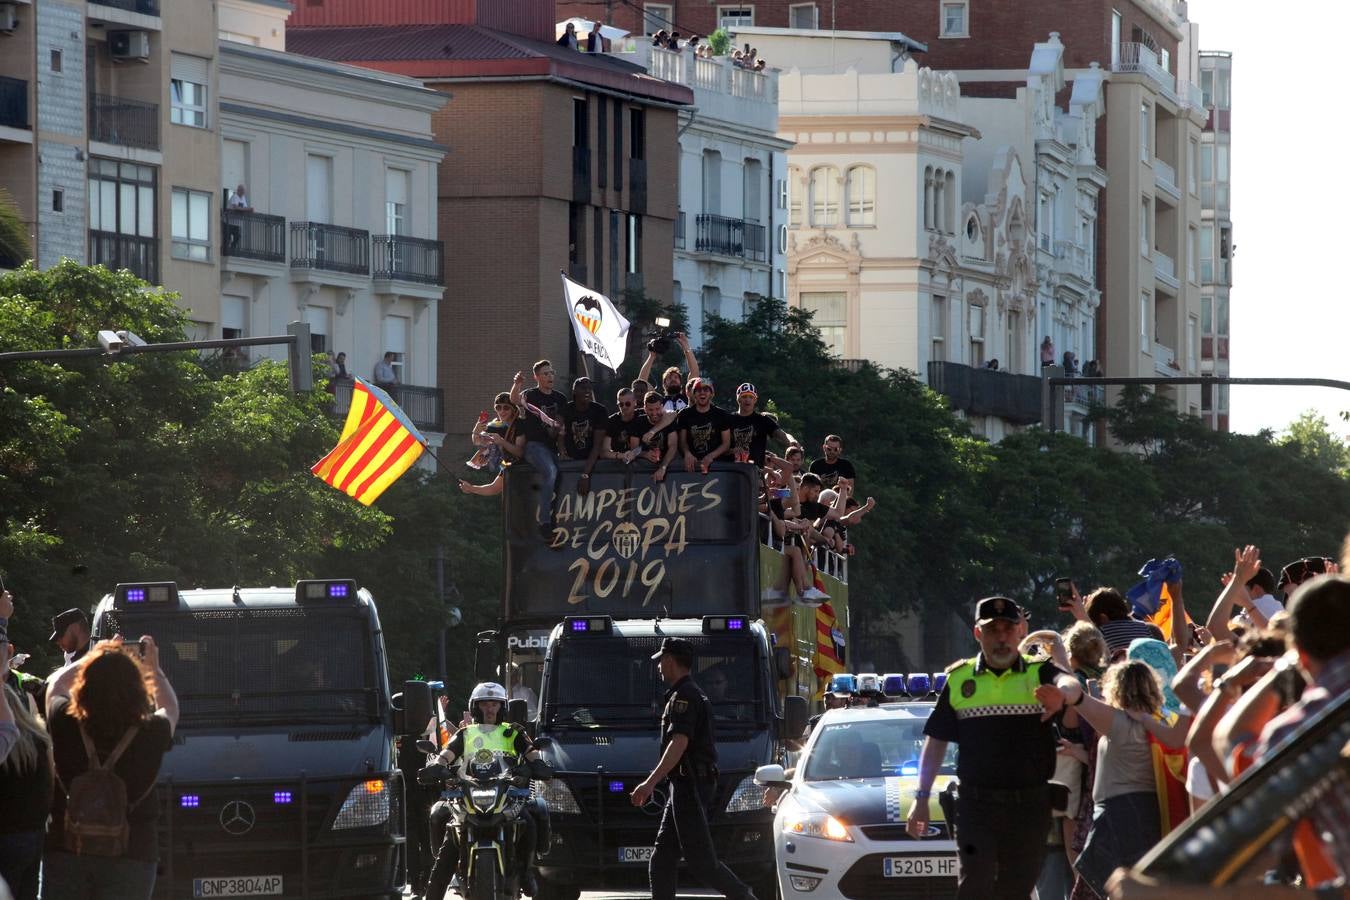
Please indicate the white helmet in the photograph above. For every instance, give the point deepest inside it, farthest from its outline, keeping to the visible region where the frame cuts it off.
(487, 690)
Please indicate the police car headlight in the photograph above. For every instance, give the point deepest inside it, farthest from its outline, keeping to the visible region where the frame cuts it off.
(747, 797)
(557, 796)
(816, 825)
(366, 806)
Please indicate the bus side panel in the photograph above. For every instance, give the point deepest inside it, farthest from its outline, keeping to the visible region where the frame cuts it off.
(816, 636)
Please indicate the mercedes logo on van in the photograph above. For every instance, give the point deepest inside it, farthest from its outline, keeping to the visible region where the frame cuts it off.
(656, 803)
(237, 818)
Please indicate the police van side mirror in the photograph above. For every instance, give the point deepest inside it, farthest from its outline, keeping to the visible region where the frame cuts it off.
(795, 714)
(517, 711)
(782, 662)
(417, 709)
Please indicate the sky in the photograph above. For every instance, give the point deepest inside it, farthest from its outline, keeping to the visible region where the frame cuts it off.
(1289, 315)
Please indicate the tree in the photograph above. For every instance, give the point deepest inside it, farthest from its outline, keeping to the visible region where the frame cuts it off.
(14, 245)
(1311, 437)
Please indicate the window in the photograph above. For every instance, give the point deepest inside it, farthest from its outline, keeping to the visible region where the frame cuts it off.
(1207, 162)
(754, 190)
(1115, 38)
(318, 188)
(782, 283)
(618, 145)
(234, 165)
(1145, 310)
(949, 203)
(396, 201)
(187, 89)
(1192, 252)
(1207, 315)
(191, 214)
(712, 304)
(58, 200)
(829, 314)
(794, 189)
(1145, 226)
(56, 60)
(637, 133)
(1221, 319)
(825, 196)
(656, 16)
(803, 15)
(929, 197)
(233, 318)
(1144, 117)
(1221, 83)
(634, 245)
(1192, 345)
(320, 321)
(860, 190)
(1207, 87)
(1193, 167)
(602, 140)
(396, 342)
(976, 336)
(782, 239)
(937, 323)
(1165, 57)
(1045, 224)
(733, 17)
(1206, 254)
(712, 182)
(581, 120)
(1221, 162)
(121, 198)
(954, 17)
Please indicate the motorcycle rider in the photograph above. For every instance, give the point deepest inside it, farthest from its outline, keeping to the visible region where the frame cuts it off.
(486, 738)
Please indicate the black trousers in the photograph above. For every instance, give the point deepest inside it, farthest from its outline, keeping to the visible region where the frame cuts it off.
(1001, 842)
(684, 831)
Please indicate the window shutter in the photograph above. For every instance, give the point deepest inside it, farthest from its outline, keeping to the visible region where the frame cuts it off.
(191, 68)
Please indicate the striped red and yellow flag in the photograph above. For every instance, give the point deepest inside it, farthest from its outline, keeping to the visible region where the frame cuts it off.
(828, 661)
(378, 444)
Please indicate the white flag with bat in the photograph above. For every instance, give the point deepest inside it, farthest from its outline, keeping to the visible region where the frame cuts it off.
(601, 331)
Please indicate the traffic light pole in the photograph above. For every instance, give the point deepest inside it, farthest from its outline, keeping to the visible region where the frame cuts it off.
(1049, 382)
(296, 339)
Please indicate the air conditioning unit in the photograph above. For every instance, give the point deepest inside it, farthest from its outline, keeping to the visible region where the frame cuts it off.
(9, 18)
(129, 44)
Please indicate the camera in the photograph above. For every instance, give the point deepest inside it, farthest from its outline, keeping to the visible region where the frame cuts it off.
(659, 340)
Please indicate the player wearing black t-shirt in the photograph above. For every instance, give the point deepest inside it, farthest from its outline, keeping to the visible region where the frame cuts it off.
(750, 430)
(705, 430)
(661, 447)
(624, 429)
(584, 423)
(833, 466)
(541, 439)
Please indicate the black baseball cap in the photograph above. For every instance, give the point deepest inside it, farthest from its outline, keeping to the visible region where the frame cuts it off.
(676, 647)
(991, 608)
(62, 621)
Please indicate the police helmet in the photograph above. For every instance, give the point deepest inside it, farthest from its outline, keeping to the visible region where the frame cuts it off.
(487, 690)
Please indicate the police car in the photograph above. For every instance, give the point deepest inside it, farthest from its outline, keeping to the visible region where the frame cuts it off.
(839, 827)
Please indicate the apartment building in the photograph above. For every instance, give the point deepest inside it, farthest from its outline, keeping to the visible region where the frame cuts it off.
(339, 230)
(1216, 231)
(731, 229)
(547, 171)
(107, 133)
(701, 17)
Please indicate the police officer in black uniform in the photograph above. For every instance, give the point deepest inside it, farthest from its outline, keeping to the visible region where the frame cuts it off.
(997, 707)
(689, 760)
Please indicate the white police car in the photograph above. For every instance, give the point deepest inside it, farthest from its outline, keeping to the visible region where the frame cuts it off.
(840, 825)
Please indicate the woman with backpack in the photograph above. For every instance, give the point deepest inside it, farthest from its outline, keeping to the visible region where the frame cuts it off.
(111, 718)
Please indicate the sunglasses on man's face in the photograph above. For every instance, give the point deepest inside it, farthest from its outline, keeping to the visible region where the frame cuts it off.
(627, 404)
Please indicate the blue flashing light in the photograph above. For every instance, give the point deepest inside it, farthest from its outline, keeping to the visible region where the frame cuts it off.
(581, 625)
(189, 801)
(893, 685)
(909, 768)
(919, 684)
(589, 624)
(338, 590)
(720, 624)
(845, 683)
(318, 589)
(616, 787)
(735, 624)
(281, 798)
(939, 681)
(135, 595)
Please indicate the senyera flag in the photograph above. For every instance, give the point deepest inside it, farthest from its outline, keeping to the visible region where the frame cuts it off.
(378, 444)
(601, 331)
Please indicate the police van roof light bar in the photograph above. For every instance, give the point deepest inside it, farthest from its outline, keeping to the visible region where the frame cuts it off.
(725, 624)
(126, 596)
(321, 590)
(588, 624)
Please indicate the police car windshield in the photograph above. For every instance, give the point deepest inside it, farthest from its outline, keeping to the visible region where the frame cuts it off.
(885, 746)
(612, 681)
(290, 665)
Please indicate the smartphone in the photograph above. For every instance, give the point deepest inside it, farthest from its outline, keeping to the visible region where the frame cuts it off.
(137, 646)
(782, 493)
(1063, 592)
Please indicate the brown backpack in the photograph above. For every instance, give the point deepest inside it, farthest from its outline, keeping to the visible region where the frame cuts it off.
(96, 804)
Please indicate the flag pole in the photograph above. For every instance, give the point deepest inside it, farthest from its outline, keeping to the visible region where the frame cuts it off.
(571, 334)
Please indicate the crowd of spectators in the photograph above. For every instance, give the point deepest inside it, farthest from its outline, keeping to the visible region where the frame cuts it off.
(109, 705)
(1179, 716)
(806, 511)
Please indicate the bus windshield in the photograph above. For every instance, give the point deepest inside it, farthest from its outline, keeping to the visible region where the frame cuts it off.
(612, 681)
(265, 665)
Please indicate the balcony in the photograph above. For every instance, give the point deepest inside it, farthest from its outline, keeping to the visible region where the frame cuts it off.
(1165, 360)
(1140, 59)
(125, 251)
(1075, 261)
(679, 230)
(581, 174)
(1165, 179)
(144, 7)
(725, 236)
(1191, 95)
(252, 235)
(637, 186)
(331, 248)
(1085, 395)
(988, 392)
(141, 14)
(14, 103)
(425, 406)
(126, 123)
(722, 91)
(1165, 270)
(397, 257)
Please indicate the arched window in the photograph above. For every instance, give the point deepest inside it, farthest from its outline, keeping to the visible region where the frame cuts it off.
(825, 197)
(860, 196)
(794, 181)
(949, 199)
(928, 197)
(939, 223)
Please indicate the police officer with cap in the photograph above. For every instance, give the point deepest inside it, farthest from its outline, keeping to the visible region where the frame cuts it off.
(70, 632)
(689, 760)
(997, 708)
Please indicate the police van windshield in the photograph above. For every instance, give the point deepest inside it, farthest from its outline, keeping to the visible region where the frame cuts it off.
(871, 749)
(263, 666)
(612, 681)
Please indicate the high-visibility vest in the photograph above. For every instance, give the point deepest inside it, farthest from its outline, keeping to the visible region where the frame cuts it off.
(499, 741)
(1010, 693)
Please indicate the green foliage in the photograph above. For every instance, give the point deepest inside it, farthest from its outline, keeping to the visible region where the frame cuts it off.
(1311, 437)
(720, 42)
(14, 246)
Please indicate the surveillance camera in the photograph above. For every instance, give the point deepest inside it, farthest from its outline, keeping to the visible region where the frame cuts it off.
(110, 341)
(131, 338)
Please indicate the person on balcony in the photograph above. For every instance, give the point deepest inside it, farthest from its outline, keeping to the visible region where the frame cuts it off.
(593, 41)
(237, 202)
(569, 37)
(385, 375)
(1047, 352)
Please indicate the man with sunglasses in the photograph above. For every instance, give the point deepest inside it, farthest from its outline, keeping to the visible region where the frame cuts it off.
(624, 429)
(705, 429)
(751, 430)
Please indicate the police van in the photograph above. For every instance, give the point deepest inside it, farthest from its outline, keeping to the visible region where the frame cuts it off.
(282, 779)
